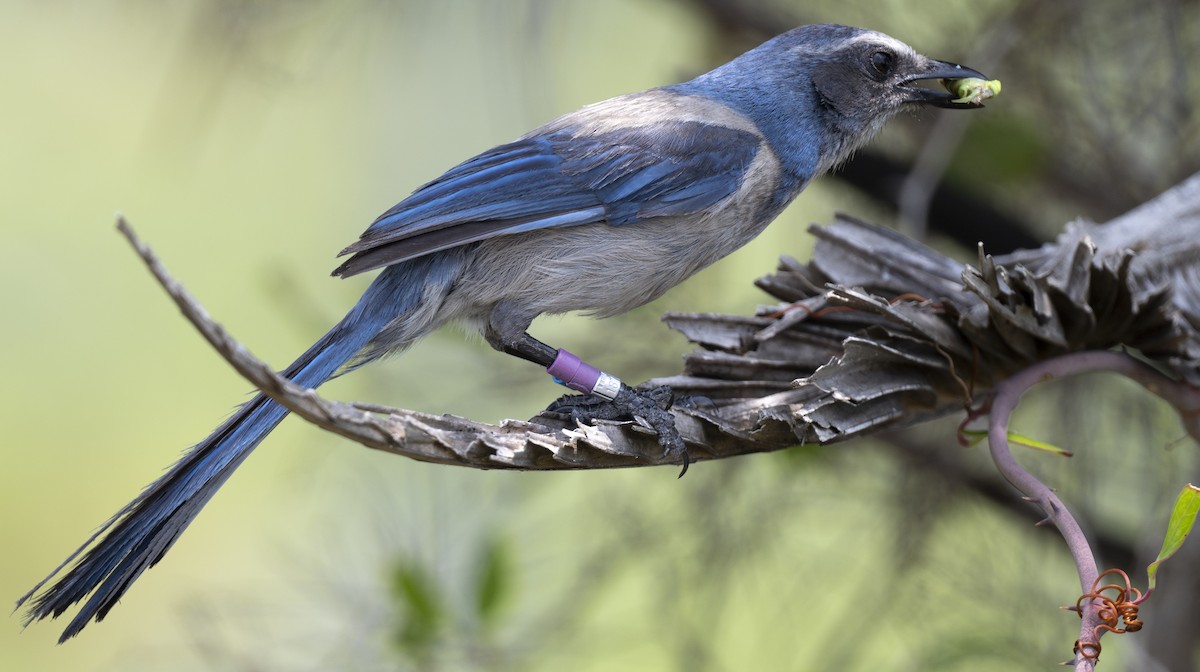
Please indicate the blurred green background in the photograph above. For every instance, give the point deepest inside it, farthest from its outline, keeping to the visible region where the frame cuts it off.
(247, 142)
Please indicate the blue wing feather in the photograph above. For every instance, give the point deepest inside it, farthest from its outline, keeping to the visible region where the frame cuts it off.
(564, 178)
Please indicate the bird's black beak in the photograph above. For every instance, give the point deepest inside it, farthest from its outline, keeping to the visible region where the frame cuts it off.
(940, 70)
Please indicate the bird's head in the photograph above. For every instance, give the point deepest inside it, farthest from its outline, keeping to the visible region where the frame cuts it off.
(867, 76)
(833, 87)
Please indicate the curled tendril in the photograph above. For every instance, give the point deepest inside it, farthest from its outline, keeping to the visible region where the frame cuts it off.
(1117, 611)
(1088, 650)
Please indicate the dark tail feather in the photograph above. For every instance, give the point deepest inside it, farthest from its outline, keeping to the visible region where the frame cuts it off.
(140, 534)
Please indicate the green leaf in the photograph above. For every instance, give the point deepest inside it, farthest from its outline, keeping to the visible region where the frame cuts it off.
(974, 436)
(494, 582)
(423, 611)
(1030, 442)
(1183, 518)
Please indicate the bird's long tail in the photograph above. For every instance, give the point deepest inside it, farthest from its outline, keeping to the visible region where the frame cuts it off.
(397, 304)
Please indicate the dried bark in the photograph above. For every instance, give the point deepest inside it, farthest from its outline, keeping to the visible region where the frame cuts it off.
(877, 331)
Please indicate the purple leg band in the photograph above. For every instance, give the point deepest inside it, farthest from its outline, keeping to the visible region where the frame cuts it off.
(574, 372)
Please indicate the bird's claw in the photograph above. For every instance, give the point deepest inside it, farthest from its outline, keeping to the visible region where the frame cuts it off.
(648, 407)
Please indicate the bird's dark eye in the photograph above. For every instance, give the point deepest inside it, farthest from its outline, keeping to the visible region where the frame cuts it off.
(882, 62)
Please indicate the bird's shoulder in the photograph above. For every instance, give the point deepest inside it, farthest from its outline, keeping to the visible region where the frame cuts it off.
(653, 153)
(648, 110)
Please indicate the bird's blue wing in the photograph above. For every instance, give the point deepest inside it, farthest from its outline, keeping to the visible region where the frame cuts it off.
(564, 178)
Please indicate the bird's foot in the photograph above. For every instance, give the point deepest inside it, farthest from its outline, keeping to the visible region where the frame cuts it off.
(650, 407)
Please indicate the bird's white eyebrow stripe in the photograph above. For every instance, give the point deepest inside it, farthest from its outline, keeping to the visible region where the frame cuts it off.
(886, 40)
(883, 40)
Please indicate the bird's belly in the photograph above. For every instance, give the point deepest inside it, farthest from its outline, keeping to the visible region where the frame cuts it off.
(597, 268)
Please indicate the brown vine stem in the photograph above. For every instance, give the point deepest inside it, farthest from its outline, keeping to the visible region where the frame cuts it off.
(1005, 397)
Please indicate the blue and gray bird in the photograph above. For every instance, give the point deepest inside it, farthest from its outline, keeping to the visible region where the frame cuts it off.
(601, 211)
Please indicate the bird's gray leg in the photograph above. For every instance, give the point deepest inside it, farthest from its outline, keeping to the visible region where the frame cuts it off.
(604, 396)
(520, 344)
